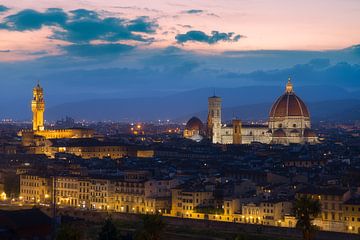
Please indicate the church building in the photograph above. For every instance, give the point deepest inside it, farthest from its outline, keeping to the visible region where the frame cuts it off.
(289, 122)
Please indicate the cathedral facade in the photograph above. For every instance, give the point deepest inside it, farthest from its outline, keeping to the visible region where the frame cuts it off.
(289, 122)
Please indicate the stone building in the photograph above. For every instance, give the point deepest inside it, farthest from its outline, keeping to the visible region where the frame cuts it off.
(38, 133)
(289, 122)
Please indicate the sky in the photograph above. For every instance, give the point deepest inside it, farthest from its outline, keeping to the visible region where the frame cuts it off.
(92, 49)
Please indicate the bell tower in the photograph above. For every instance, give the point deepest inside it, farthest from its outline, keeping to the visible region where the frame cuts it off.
(38, 108)
(214, 118)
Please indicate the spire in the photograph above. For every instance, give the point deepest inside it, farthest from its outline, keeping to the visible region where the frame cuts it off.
(289, 86)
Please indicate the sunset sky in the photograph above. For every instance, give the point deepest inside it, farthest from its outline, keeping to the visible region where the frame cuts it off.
(260, 24)
(131, 48)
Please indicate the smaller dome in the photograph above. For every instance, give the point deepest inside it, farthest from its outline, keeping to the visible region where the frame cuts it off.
(194, 124)
(309, 133)
(279, 133)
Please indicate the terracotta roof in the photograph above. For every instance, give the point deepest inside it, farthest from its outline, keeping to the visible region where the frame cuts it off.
(194, 124)
(289, 105)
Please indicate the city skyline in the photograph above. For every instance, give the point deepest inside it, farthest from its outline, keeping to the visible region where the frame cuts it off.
(84, 50)
(173, 119)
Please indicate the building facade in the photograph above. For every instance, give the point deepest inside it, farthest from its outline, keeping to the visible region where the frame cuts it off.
(289, 122)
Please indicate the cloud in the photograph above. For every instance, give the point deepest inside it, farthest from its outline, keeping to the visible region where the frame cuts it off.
(3, 8)
(93, 50)
(43, 52)
(81, 27)
(84, 26)
(320, 63)
(315, 72)
(184, 25)
(199, 36)
(28, 19)
(193, 11)
(142, 24)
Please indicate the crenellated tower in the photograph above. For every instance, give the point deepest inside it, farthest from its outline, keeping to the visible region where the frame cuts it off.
(38, 108)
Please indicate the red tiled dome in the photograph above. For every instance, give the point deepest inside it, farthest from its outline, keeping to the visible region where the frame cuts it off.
(194, 124)
(289, 105)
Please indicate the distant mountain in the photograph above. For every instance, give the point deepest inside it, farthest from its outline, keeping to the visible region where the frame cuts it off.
(245, 102)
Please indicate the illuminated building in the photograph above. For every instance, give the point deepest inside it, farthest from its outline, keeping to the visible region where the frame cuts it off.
(101, 193)
(351, 209)
(87, 148)
(136, 193)
(332, 209)
(38, 133)
(289, 122)
(67, 191)
(35, 188)
(185, 201)
(132, 192)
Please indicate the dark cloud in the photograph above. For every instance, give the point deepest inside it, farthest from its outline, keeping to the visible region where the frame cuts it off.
(38, 53)
(3, 8)
(29, 19)
(193, 11)
(93, 50)
(185, 25)
(354, 49)
(81, 26)
(173, 61)
(84, 26)
(199, 36)
(320, 63)
(142, 24)
(315, 72)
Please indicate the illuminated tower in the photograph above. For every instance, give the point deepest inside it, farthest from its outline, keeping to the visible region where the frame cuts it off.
(38, 108)
(236, 131)
(214, 119)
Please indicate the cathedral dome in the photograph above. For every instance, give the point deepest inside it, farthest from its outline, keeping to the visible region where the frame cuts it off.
(289, 105)
(194, 124)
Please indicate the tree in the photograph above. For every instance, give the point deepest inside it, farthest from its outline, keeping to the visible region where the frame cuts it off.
(68, 232)
(109, 231)
(152, 228)
(306, 210)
